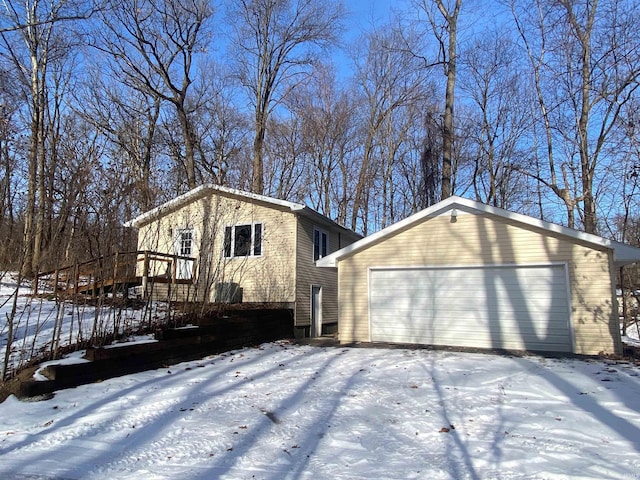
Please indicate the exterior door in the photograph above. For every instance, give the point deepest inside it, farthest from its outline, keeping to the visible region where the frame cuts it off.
(184, 248)
(316, 311)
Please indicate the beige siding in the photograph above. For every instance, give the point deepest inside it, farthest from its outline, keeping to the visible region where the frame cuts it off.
(307, 274)
(171, 292)
(480, 240)
(265, 278)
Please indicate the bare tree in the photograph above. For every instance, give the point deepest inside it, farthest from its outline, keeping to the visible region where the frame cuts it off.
(445, 31)
(9, 167)
(127, 119)
(276, 42)
(223, 132)
(430, 163)
(328, 128)
(390, 80)
(498, 118)
(153, 46)
(585, 68)
(32, 42)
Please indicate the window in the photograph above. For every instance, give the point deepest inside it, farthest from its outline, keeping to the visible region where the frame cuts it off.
(184, 247)
(243, 240)
(257, 239)
(185, 243)
(320, 243)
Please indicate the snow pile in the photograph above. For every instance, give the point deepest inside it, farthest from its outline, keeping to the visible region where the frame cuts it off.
(284, 411)
(632, 337)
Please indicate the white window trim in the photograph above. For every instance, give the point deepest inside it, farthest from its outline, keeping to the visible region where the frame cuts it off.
(320, 233)
(178, 241)
(233, 241)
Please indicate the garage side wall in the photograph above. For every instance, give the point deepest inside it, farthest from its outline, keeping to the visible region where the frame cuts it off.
(484, 240)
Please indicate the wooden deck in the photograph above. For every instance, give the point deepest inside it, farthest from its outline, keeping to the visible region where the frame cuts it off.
(116, 274)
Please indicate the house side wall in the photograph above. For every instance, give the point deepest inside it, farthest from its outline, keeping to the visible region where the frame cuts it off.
(483, 240)
(265, 278)
(307, 274)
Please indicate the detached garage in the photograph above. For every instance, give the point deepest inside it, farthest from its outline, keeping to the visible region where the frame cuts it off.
(465, 274)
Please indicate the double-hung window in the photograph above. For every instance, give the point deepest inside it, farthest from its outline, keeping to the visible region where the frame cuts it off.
(243, 240)
(185, 242)
(184, 247)
(320, 243)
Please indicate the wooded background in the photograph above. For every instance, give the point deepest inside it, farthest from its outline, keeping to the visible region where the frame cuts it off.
(111, 107)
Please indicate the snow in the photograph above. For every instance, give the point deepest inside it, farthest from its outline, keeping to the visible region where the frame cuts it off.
(285, 411)
(35, 318)
(633, 336)
(72, 358)
(134, 340)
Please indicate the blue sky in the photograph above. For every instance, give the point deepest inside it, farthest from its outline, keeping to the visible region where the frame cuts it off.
(366, 12)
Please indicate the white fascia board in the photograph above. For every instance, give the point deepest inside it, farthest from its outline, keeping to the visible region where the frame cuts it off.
(623, 254)
(200, 191)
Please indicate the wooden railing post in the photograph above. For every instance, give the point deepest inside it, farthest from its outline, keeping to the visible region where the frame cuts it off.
(76, 279)
(145, 275)
(116, 259)
(93, 282)
(173, 268)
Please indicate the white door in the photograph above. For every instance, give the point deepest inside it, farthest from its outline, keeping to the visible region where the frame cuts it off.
(184, 248)
(515, 307)
(316, 311)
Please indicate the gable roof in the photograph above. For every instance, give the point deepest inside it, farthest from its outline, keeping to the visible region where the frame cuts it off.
(209, 188)
(622, 254)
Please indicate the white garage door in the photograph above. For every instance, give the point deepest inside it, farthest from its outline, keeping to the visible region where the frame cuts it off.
(520, 308)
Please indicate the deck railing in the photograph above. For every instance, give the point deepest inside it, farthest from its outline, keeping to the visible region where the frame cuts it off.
(116, 273)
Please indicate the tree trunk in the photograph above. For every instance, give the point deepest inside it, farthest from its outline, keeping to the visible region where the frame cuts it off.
(189, 145)
(257, 179)
(30, 211)
(447, 127)
(583, 134)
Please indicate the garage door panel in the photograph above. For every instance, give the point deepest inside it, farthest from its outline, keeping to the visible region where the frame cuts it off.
(488, 307)
(507, 330)
(417, 289)
(471, 305)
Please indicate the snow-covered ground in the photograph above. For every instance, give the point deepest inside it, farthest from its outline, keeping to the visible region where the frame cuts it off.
(284, 411)
(35, 317)
(290, 411)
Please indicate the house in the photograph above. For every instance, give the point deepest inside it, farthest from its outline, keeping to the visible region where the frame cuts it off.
(464, 274)
(242, 247)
